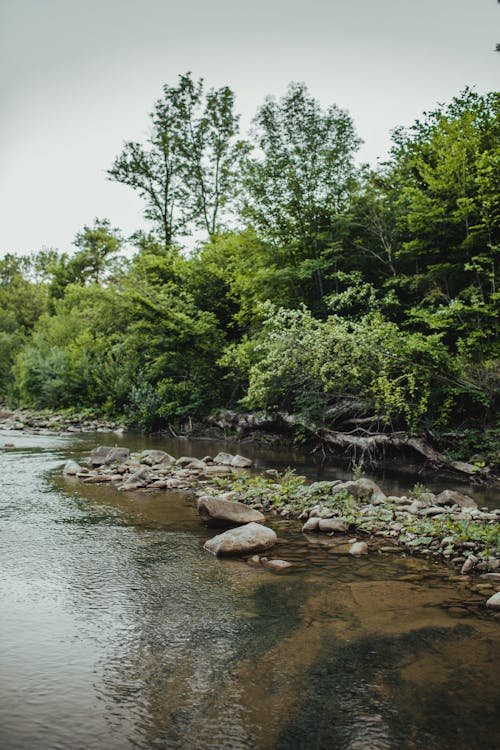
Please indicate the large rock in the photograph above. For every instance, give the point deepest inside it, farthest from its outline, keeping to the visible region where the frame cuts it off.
(240, 462)
(217, 511)
(104, 455)
(451, 497)
(360, 489)
(243, 540)
(333, 525)
(494, 602)
(156, 457)
(71, 468)
(225, 459)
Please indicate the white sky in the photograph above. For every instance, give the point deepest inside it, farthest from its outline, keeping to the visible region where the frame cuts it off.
(79, 77)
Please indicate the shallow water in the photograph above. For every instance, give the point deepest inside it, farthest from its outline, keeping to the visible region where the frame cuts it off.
(117, 631)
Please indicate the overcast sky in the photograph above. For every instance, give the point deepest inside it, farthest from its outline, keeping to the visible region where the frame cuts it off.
(78, 78)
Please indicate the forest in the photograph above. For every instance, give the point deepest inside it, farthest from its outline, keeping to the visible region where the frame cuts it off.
(278, 275)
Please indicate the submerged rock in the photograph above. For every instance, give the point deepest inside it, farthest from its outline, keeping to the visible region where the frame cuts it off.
(358, 548)
(71, 468)
(217, 511)
(277, 565)
(246, 539)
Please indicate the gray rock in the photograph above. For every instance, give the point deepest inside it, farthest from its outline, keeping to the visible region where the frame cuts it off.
(333, 525)
(277, 565)
(104, 455)
(225, 459)
(468, 565)
(451, 497)
(157, 458)
(240, 462)
(71, 468)
(215, 511)
(138, 479)
(312, 524)
(494, 602)
(217, 471)
(196, 463)
(243, 540)
(358, 548)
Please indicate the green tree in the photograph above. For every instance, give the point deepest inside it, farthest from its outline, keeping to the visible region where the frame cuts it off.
(186, 172)
(299, 182)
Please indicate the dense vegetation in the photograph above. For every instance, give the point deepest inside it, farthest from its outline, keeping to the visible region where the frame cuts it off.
(360, 299)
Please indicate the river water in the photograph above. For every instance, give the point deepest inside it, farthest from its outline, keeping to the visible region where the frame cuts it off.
(118, 632)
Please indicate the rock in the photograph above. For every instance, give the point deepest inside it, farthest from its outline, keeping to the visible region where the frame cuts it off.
(468, 565)
(71, 468)
(174, 484)
(243, 540)
(434, 510)
(225, 459)
(217, 471)
(240, 462)
(312, 524)
(196, 464)
(184, 460)
(104, 455)
(494, 602)
(254, 560)
(493, 577)
(157, 458)
(370, 490)
(215, 511)
(451, 497)
(277, 565)
(98, 479)
(138, 479)
(358, 548)
(333, 525)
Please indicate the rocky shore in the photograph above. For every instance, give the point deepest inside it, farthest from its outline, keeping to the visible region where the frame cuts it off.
(448, 526)
(34, 421)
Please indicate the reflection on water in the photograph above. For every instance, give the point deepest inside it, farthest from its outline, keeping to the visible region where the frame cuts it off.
(117, 631)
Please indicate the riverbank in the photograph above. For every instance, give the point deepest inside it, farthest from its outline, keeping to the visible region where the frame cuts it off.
(409, 454)
(448, 527)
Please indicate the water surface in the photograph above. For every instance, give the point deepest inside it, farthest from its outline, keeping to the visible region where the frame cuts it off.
(118, 631)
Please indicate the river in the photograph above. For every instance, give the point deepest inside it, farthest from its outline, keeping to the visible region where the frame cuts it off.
(118, 632)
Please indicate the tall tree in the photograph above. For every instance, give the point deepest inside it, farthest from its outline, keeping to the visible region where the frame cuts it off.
(299, 180)
(186, 172)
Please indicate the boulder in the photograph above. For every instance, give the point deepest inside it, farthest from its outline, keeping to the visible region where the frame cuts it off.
(195, 463)
(156, 458)
(104, 455)
(225, 459)
(138, 479)
(312, 524)
(240, 462)
(358, 548)
(277, 565)
(71, 468)
(243, 540)
(333, 525)
(216, 511)
(451, 497)
(494, 602)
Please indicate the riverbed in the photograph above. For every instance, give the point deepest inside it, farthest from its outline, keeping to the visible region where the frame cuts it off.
(117, 631)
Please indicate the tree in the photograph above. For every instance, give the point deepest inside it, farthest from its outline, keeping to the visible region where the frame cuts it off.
(96, 256)
(300, 180)
(186, 172)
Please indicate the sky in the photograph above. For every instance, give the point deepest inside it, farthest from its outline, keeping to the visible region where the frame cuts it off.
(79, 77)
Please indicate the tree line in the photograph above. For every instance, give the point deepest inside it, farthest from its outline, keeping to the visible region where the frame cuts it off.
(359, 298)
